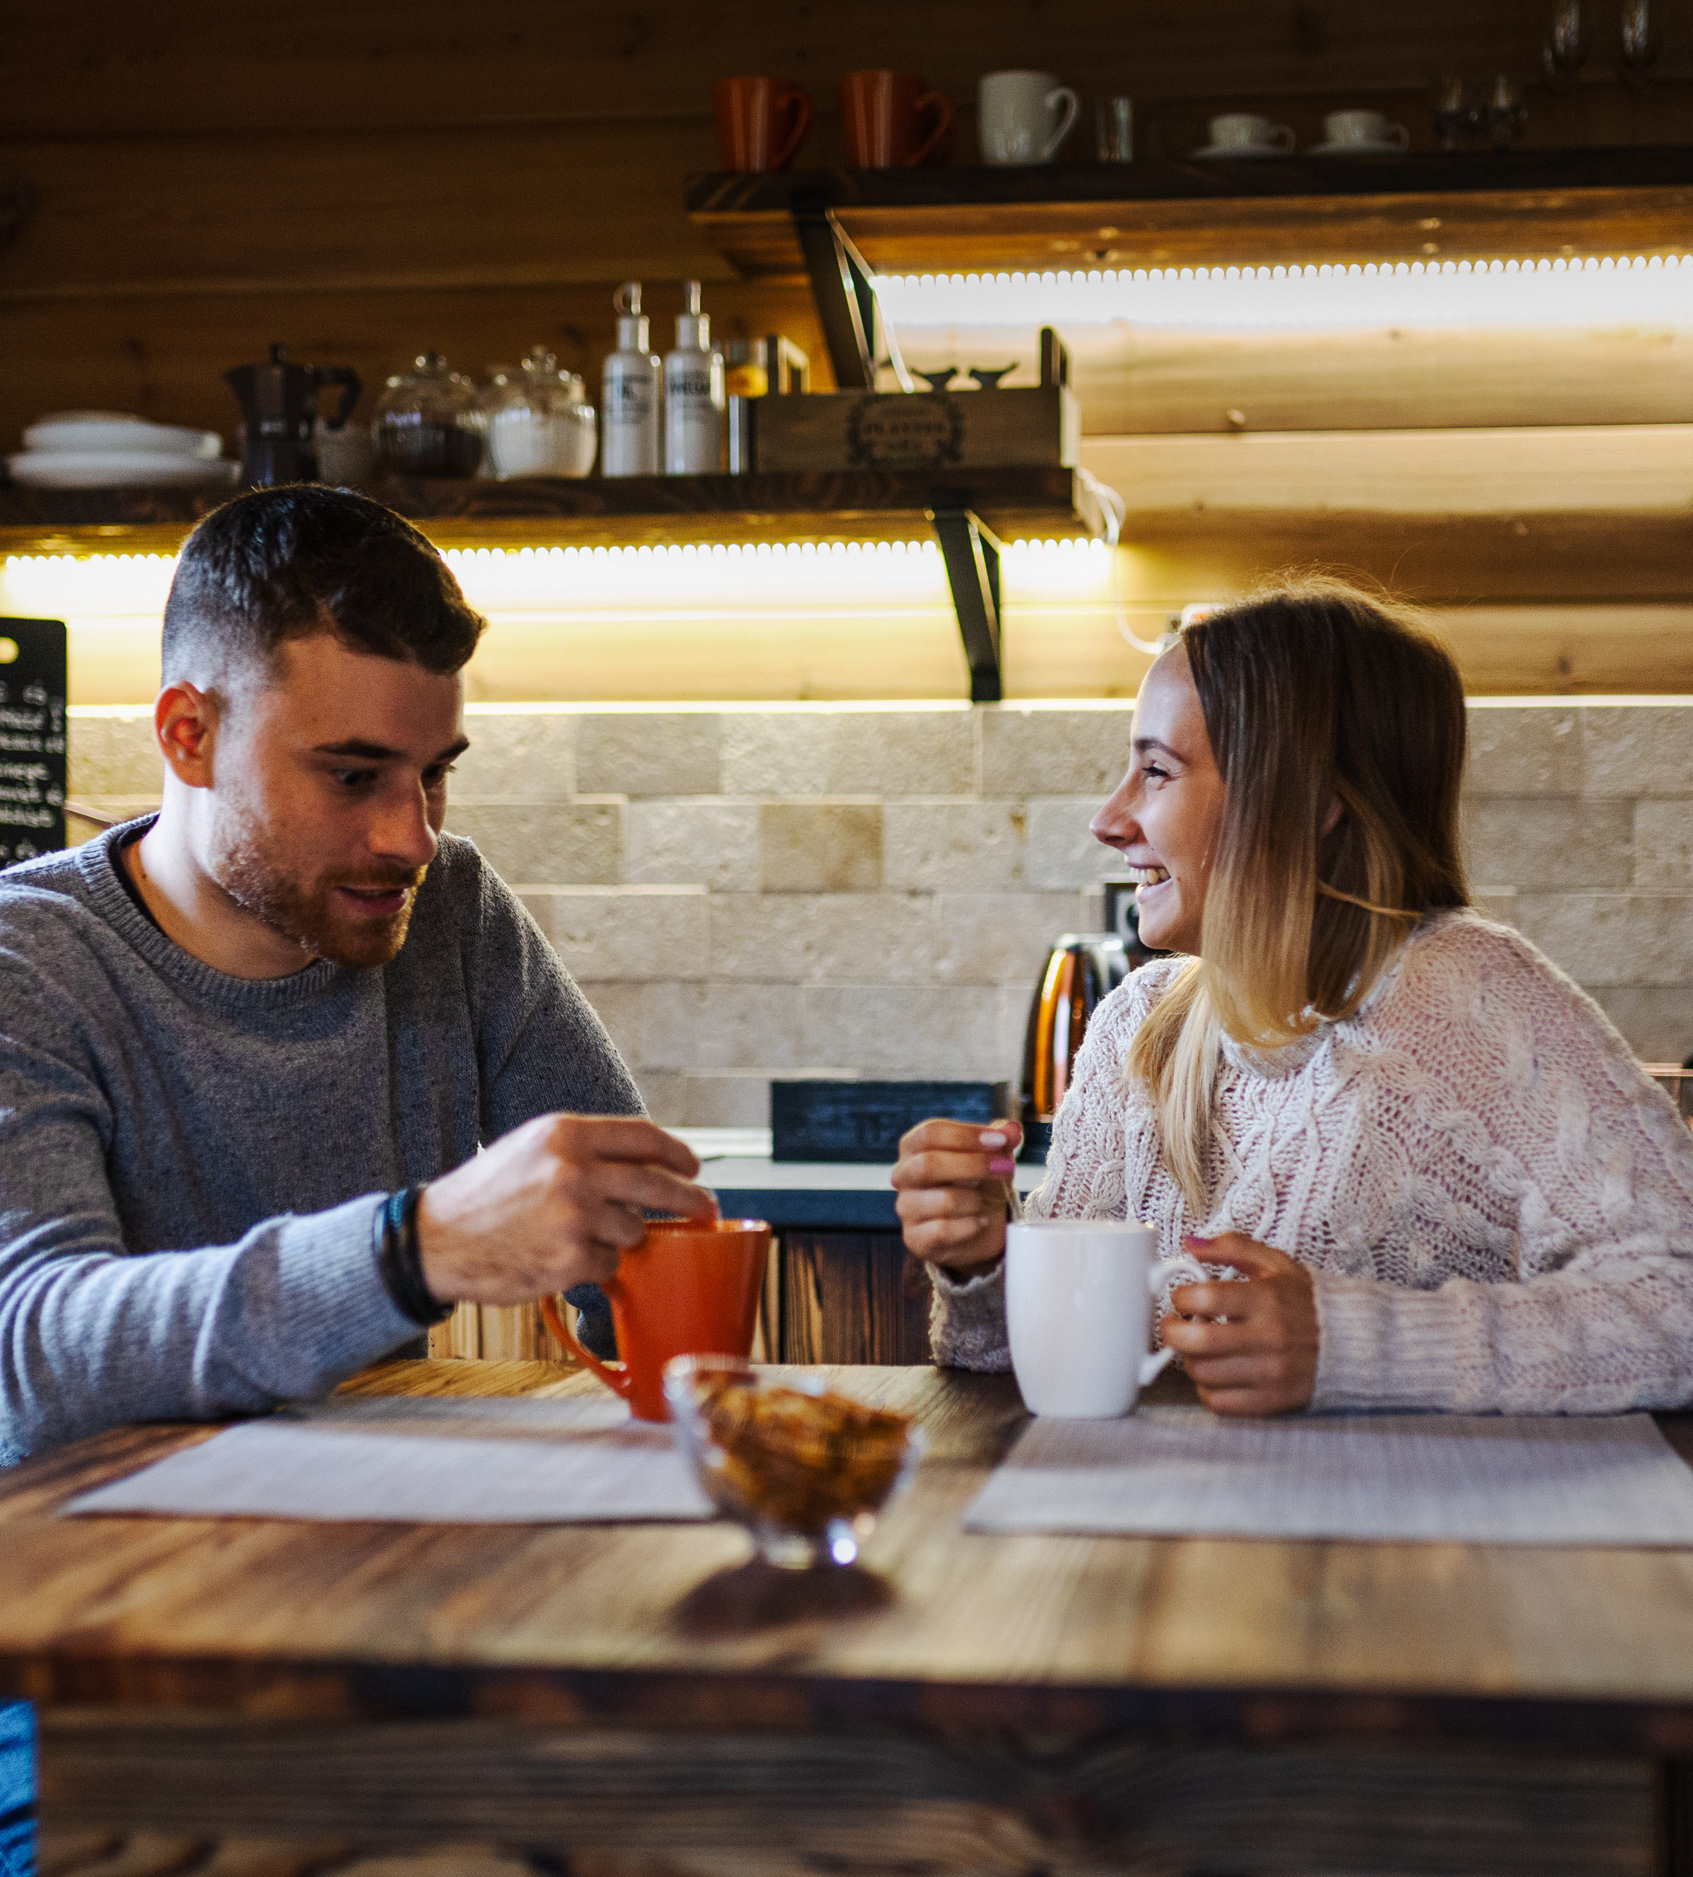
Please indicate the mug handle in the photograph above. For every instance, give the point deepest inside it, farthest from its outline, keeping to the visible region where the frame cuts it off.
(943, 123)
(799, 102)
(1282, 137)
(1066, 124)
(348, 380)
(1397, 133)
(1154, 1365)
(1185, 1270)
(615, 1375)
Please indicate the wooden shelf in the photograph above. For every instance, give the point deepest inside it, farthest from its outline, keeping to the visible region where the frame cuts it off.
(1016, 503)
(1451, 206)
(966, 509)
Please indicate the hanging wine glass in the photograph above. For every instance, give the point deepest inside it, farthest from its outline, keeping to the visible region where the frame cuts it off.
(1452, 107)
(1507, 111)
(1569, 41)
(1641, 39)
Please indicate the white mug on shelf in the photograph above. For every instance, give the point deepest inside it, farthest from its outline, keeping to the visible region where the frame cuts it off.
(1025, 116)
(1246, 130)
(1078, 1306)
(1364, 127)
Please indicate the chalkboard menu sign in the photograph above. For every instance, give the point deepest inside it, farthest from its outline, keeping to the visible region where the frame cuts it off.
(33, 664)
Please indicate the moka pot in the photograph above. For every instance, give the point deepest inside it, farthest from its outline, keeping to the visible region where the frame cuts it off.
(278, 408)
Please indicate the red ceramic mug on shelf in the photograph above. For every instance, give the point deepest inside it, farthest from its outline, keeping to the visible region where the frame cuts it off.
(761, 122)
(690, 1288)
(891, 120)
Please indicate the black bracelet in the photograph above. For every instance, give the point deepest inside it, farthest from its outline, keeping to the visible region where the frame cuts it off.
(399, 1263)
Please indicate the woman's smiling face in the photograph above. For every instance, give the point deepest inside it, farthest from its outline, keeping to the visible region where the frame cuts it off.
(1166, 812)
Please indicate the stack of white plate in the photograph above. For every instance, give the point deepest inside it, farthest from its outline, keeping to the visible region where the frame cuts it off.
(109, 450)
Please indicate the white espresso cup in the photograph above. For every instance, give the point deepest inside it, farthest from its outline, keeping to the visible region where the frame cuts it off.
(1025, 116)
(1078, 1305)
(1246, 130)
(1366, 127)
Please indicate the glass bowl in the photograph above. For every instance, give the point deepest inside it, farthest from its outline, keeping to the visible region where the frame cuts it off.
(806, 1471)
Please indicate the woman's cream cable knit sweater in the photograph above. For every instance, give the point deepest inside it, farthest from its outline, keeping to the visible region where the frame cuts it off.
(1496, 1204)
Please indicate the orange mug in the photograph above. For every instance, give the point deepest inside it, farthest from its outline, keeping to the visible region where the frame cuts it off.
(883, 119)
(761, 122)
(690, 1288)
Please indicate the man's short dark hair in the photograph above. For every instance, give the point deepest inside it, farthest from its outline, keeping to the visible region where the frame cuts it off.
(281, 564)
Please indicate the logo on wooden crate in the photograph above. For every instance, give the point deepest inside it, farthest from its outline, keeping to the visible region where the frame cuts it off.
(920, 432)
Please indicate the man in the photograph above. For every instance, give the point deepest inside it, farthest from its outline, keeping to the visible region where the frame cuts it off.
(249, 1049)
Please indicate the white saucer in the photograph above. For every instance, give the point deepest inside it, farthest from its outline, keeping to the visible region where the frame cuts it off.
(89, 433)
(111, 469)
(1358, 149)
(1241, 149)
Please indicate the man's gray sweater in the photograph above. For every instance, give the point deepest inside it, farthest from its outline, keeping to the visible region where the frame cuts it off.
(191, 1164)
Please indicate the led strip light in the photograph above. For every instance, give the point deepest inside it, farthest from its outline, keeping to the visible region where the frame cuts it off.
(1605, 290)
(691, 577)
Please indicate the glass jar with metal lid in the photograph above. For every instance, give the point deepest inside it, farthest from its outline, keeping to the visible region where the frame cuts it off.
(429, 422)
(539, 422)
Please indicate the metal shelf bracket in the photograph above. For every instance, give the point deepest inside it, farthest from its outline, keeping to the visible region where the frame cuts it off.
(970, 550)
(840, 285)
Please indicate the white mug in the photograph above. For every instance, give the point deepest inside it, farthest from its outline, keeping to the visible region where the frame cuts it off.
(1364, 127)
(1078, 1305)
(1025, 116)
(1245, 130)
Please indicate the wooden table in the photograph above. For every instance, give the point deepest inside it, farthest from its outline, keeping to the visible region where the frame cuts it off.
(965, 1703)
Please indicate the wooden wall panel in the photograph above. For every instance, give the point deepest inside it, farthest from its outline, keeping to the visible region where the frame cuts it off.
(496, 1333)
(852, 1297)
(1526, 650)
(318, 64)
(1537, 560)
(1507, 651)
(368, 179)
(1133, 379)
(1520, 649)
(521, 206)
(354, 177)
(164, 356)
(1390, 380)
(1598, 111)
(1630, 473)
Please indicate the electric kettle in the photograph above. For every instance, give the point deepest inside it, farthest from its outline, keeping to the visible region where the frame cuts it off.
(279, 408)
(1082, 969)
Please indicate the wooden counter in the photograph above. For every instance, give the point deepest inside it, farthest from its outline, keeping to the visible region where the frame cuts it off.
(962, 1703)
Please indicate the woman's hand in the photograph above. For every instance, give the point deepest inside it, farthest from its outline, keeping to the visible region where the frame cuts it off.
(1263, 1359)
(951, 1179)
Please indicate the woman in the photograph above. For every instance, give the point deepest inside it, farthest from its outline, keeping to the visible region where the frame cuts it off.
(1440, 1173)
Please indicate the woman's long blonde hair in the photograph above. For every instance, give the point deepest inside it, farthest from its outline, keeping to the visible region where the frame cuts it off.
(1323, 706)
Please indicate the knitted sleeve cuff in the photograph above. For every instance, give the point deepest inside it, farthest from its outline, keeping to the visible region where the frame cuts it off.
(967, 1320)
(1382, 1346)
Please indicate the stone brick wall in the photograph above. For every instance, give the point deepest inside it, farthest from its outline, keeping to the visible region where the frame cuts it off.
(756, 891)
(1580, 827)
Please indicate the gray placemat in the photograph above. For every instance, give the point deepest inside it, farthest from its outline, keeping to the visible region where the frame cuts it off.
(473, 1461)
(1480, 1479)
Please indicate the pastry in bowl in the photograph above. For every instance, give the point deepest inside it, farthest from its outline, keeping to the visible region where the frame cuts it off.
(805, 1470)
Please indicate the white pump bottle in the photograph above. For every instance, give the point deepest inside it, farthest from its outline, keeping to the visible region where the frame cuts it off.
(629, 417)
(693, 394)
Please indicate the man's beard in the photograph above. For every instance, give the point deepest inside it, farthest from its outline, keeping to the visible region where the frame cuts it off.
(304, 913)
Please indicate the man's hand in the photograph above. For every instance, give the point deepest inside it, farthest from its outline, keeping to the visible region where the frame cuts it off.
(951, 1180)
(1263, 1360)
(551, 1204)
